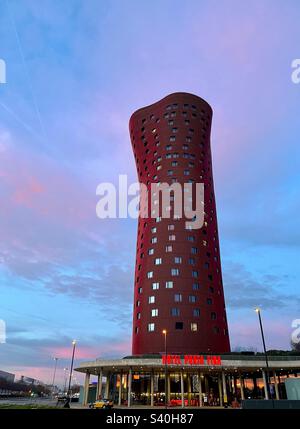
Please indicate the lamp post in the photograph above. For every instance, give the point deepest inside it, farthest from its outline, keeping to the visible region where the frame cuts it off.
(54, 373)
(166, 369)
(258, 311)
(65, 378)
(71, 370)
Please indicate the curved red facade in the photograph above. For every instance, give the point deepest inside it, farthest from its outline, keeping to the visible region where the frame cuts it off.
(178, 279)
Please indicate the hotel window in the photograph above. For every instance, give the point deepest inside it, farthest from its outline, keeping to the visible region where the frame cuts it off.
(150, 251)
(154, 240)
(216, 330)
(170, 172)
(169, 285)
(175, 155)
(185, 147)
(158, 261)
(204, 243)
(188, 139)
(194, 250)
(150, 274)
(191, 238)
(194, 327)
(178, 259)
(192, 261)
(186, 172)
(151, 299)
(171, 227)
(211, 289)
(187, 122)
(158, 167)
(192, 298)
(172, 237)
(155, 286)
(195, 274)
(136, 329)
(196, 312)
(209, 301)
(169, 249)
(154, 312)
(174, 130)
(174, 272)
(171, 122)
(175, 312)
(138, 316)
(158, 219)
(179, 325)
(138, 303)
(153, 230)
(195, 286)
(174, 164)
(169, 147)
(213, 316)
(206, 265)
(154, 131)
(140, 290)
(169, 155)
(159, 159)
(178, 297)
(151, 327)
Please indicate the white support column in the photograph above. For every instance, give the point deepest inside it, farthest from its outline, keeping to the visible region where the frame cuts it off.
(200, 389)
(242, 387)
(129, 387)
(265, 384)
(86, 388)
(99, 384)
(120, 391)
(189, 388)
(220, 390)
(152, 389)
(182, 388)
(168, 387)
(276, 385)
(106, 394)
(225, 399)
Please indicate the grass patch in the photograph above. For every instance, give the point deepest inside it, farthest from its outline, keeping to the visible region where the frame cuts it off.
(26, 407)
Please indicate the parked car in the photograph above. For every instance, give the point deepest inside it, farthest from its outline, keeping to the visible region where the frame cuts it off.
(102, 404)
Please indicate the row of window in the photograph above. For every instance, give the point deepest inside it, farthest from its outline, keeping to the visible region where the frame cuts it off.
(175, 312)
(177, 297)
(180, 326)
(170, 284)
(178, 260)
(175, 271)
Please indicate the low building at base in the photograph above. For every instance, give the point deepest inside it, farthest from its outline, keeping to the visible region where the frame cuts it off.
(188, 380)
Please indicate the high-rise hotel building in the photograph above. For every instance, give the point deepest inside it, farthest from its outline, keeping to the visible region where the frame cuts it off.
(178, 279)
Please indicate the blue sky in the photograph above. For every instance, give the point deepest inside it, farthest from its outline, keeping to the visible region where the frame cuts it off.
(76, 70)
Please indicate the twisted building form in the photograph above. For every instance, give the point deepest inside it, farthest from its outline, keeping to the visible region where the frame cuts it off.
(178, 280)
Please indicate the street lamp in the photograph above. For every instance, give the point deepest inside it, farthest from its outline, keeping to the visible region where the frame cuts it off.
(258, 311)
(65, 378)
(54, 373)
(71, 370)
(166, 370)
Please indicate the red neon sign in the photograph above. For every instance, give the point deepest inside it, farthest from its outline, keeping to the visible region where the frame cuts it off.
(191, 360)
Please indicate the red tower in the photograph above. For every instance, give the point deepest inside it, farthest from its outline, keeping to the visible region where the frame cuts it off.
(178, 280)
